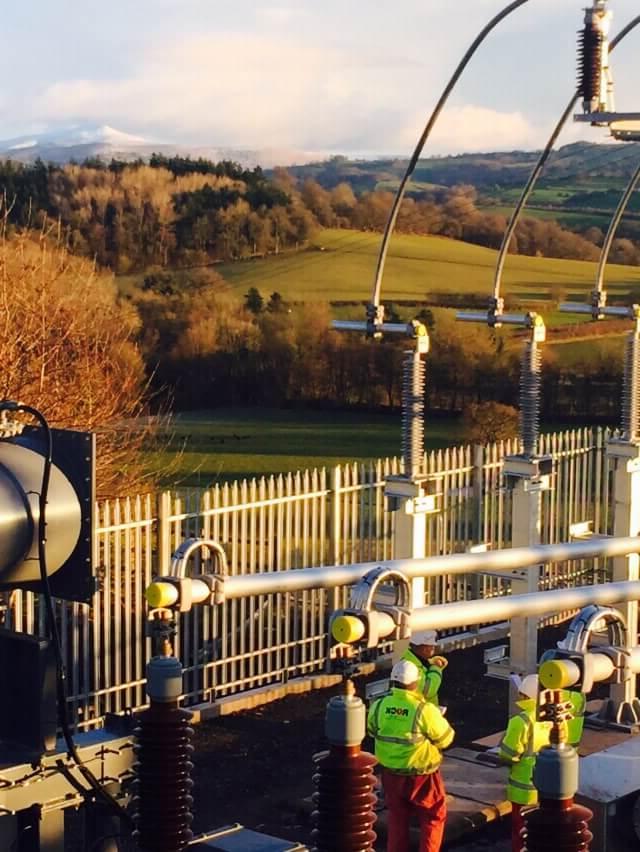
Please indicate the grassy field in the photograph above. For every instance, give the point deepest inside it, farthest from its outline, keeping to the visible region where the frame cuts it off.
(341, 265)
(573, 352)
(567, 218)
(207, 447)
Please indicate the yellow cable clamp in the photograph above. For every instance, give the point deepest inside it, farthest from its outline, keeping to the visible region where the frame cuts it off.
(160, 595)
(347, 628)
(557, 674)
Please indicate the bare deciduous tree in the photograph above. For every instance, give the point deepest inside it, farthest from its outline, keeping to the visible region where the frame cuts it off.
(67, 348)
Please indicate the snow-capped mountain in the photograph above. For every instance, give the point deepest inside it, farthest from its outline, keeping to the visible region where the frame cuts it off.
(82, 141)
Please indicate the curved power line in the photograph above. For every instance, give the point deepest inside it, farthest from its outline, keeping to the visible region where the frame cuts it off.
(613, 227)
(535, 174)
(393, 215)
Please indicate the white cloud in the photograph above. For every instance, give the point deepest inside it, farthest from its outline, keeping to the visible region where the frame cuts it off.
(234, 90)
(336, 76)
(475, 128)
(245, 90)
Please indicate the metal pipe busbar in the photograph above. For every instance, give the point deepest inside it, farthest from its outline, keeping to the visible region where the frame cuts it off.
(443, 616)
(218, 588)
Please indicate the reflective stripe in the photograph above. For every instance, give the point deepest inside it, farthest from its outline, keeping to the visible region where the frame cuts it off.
(441, 739)
(414, 727)
(415, 739)
(521, 785)
(529, 733)
(507, 750)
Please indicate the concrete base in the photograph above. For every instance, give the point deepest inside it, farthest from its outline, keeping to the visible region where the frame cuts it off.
(236, 838)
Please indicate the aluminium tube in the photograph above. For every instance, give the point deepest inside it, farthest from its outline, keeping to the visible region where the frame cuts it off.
(511, 559)
(466, 613)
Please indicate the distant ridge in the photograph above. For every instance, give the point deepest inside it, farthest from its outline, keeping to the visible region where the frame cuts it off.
(81, 142)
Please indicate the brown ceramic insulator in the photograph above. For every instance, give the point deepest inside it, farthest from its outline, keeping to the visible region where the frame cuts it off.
(344, 800)
(558, 824)
(163, 798)
(590, 43)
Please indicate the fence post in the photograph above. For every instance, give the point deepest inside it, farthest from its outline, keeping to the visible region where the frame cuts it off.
(478, 511)
(164, 532)
(336, 527)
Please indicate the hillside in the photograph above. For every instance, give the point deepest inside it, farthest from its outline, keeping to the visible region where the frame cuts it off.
(584, 162)
(79, 142)
(339, 265)
(579, 188)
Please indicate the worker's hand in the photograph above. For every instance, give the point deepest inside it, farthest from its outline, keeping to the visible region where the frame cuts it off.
(440, 662)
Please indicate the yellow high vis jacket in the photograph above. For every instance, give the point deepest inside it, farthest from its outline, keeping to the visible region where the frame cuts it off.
(409, 732)
(578, 707)
(430, 676)
(520, 745)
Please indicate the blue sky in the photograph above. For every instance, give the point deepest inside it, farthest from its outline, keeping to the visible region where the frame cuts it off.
(337, 75)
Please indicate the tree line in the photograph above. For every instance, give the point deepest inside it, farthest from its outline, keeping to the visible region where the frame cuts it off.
(91, 358)
(206, 349)
(179, 212)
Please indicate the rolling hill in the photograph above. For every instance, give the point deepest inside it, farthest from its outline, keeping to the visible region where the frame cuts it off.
(340, 264)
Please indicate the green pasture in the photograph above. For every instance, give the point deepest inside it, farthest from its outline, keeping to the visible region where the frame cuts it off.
(340, 265)
(575, 352)
(546, 195)
(391, 185)
(566, 218)
(206, 447)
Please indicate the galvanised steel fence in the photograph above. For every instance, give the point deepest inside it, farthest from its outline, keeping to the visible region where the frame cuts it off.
(310, 518)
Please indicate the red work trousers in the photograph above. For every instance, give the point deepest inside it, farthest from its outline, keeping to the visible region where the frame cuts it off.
(517, 824)
(420, 796)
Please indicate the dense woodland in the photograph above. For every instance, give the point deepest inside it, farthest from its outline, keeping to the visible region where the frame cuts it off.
(177, 212)
(210, 350)
(92, 357)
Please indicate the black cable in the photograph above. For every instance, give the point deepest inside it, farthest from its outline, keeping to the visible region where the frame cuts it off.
(61, 674)
(393, 215)
(537, 171)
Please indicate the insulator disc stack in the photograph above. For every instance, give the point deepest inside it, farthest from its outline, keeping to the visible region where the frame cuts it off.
(631, 389)
(561, 820)
(590, 43)
(413, 391)
(530, 398)
(163, 798)
(343, 802)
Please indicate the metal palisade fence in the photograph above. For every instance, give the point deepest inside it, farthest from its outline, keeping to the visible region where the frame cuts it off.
(310, 518)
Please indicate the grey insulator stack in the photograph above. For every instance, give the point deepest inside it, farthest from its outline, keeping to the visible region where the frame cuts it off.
(413, 390)
(530, 398)
(631, 389)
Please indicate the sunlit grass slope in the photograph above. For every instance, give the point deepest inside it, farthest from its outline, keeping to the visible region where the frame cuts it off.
(340, 265)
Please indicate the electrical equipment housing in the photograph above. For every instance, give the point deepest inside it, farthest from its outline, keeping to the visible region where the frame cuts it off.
(69, 513)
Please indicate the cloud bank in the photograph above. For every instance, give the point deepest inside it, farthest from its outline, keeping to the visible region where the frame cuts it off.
(315, 77)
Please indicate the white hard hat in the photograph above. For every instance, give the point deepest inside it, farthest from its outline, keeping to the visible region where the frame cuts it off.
(405, 672)
(529, 686)
(424, 637)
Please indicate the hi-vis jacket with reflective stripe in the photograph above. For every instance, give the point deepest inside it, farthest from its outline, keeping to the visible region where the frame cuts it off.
(521, 743)
(430, 676)
(578, 706)
(409, 732)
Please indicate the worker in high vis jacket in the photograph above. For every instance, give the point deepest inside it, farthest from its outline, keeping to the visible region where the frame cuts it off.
(575, 725)
(421, 652)
(410, 733)
(519, 748)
